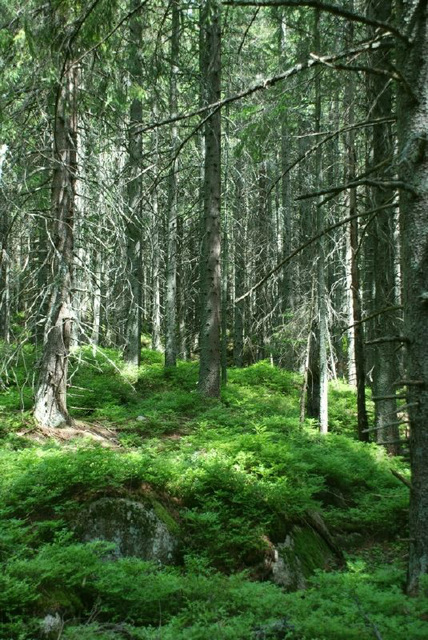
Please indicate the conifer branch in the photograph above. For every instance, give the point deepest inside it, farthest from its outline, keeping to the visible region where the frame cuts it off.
(321, 6)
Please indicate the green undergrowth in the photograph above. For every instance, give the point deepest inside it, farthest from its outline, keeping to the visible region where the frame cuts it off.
(238, 471)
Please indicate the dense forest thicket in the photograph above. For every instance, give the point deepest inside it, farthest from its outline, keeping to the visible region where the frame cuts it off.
(213, 317)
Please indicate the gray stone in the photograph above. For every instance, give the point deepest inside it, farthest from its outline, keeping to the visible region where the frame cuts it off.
(287, 570)
(143, 530)
(51, 626)
(305, 549)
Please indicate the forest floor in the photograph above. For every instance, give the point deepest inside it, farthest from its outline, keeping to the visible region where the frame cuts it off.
(238, 471)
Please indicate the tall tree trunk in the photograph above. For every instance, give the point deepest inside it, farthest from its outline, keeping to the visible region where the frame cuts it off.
(156, 298)
(384, 356)
(321, 268)
(209, 370)
(97, 280)
(362, 424)
(4, 263)
(50, 407)
(261, 253)
(182, 289)
(358, 330)
(412, 129)
(132, 352)
(171, 272)
(156, 324)
(239, 240)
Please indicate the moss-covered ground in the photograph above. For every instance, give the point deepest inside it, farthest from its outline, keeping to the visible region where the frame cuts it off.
(234, 473)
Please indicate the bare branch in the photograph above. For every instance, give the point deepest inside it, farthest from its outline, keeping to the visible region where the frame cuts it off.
(269, 82)
(397, 307)
(321, 6)
(329, 136)
(307, 244)
(388, 339)
(381, 184)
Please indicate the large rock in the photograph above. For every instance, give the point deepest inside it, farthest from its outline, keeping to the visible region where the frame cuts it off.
(307, 546)
(144, 530)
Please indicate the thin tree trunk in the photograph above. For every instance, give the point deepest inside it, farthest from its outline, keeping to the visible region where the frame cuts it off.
(132, 352)
(224, 300)
(96, 300)
(171, 273)
(322, 293)
(358, 329)
(156, 303)
(4, 263)
(182, 281)
(239, 246)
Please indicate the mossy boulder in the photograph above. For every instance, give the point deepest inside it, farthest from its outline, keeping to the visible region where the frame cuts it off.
(307, 547)
(145, 530)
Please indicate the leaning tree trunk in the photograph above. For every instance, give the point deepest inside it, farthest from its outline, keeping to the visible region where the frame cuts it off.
(50, 407)
(412, 128)
(209, 370)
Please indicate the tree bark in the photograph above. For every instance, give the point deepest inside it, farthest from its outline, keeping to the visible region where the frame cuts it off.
(209, 370)
(321, 279)
(413, 170)
(132, 353)
(384, 354)
(50, 407)
(239, 240)
(171, 273)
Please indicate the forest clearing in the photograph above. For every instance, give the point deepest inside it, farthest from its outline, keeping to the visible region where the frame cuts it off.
(214, 319)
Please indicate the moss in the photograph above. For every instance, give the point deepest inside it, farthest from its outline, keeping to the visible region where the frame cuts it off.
(311, 550)
(302, 552)
(165, 517)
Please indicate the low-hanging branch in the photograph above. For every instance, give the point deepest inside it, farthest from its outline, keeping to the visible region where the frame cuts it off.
(321, 6)
(388, 339)
(375, 314)
(392, 74)
(306, 244)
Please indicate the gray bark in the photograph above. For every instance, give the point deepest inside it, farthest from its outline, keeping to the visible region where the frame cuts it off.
(209, 370)
(358, 329)
(50, 407)
(132, 351)
(413, 170)
(171, 273)
(383, 242)
(239, 238)
(321, 268)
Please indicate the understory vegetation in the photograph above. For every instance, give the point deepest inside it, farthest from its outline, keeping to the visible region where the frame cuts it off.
(233, 473)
